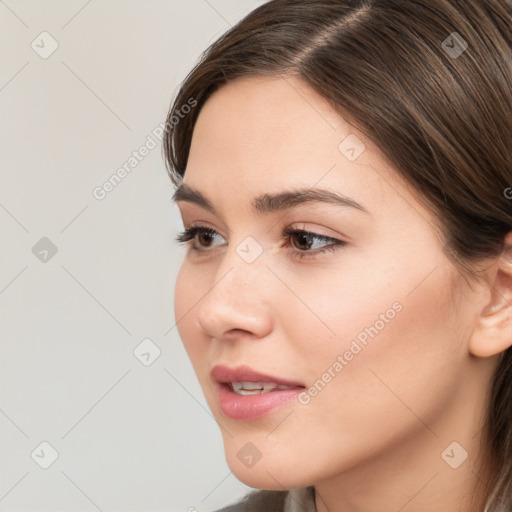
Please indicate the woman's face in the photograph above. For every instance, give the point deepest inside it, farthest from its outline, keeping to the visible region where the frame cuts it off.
(370, 325)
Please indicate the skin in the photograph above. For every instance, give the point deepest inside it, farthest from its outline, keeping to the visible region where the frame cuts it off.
(372, 439)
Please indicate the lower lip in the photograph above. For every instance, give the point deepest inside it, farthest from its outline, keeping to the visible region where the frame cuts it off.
(253, 407)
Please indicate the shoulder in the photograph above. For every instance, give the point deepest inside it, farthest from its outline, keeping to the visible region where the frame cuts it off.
(275, 501)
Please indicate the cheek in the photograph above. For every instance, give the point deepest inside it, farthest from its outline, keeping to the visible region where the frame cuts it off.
(187, 299)
(392, 350)
(182, 301)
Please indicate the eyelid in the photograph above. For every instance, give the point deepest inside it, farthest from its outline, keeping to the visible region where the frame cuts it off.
(302, 227)
(320, 231)
(185, 213)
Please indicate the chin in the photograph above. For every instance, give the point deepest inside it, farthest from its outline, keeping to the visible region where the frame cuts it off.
(264, 478)
(268, 472)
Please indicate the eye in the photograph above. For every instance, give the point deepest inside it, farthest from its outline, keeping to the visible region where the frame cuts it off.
(190, 234)
(307, 239)
(304, 238)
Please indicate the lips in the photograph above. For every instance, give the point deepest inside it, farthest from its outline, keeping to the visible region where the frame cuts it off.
(243, 373)
(245, 394)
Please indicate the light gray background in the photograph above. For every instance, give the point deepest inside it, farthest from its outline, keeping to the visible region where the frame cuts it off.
(129, 437)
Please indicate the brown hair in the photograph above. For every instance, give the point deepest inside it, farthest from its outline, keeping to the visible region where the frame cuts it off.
(430, 82)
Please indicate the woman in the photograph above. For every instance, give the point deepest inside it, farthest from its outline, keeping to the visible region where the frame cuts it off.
(344, 173)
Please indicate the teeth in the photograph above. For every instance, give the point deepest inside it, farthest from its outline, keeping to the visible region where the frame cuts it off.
(256, 388)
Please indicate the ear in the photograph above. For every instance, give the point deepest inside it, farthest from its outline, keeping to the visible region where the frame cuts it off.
(493, 332)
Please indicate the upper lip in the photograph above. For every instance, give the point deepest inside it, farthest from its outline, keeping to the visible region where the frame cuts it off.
(243, 373)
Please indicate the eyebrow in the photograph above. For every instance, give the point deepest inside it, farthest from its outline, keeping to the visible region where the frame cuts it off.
(269, 203)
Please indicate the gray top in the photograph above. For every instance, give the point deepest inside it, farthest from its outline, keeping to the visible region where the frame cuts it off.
(294, 500)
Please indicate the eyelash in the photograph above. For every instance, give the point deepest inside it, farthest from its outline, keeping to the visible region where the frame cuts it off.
(188, 235)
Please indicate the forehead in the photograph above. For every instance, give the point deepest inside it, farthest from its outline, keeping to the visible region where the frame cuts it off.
(258, 135)
(271, 114)
(263, 128)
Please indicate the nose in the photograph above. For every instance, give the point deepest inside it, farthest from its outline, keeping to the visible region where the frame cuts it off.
(238, 299)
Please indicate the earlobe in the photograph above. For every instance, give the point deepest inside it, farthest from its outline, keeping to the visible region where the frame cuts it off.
(493, 331)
